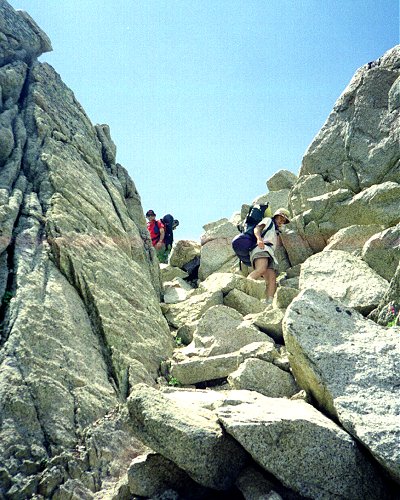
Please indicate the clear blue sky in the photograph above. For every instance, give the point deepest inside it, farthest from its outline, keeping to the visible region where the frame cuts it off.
(206, 99)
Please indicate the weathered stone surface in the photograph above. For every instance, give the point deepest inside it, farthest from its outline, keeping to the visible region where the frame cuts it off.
(295, 242)
(183, 252)
(284, 296)
(193, 440)
(168, 272)
(283, 179)
(12, 79)
(151, 474)
(361, 133)
(343, 277)
(219, 229)
(221, 330)
(263, 377)
(394, 96)
(300, 446)
(352, 239)
(225, 282)
(268, 321)
(377, 204)
(350, 366)
(253, 484)
(243, 303)
(306, 187)
(191, 309)
(176, 291)
(214, 254)
(195, 369)
(389, 306)
(276, 199)
(21, 37)
(382, 252)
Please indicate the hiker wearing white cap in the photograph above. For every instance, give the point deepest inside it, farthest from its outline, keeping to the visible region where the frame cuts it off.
(262, 257)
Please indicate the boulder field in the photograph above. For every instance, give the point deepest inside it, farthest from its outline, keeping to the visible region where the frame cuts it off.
(124, 379)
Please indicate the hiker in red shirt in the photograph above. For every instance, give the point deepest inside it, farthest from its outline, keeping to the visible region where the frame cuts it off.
(157, 233)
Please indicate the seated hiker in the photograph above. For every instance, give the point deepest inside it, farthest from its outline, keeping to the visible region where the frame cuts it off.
(157, 232)
(262, 257)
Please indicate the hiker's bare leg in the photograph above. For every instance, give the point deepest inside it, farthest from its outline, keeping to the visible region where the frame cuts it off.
(260, 269)
(270, 278)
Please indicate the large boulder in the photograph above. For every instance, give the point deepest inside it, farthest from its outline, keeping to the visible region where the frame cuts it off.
(191, 309)
(388, 310)
(263, 377)
(193, 440)
(283, 179)
(344, 277)
(192, 369)
(304, 449)
(151, 474)
(243, 303)
(183, 252)
(382, 252)
(226, 282)
(352, 239)
(349, 364)
(216, 249)
(222, 330)
(276, 199)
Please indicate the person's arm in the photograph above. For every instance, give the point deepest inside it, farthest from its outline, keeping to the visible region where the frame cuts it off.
(257, 233)
(160, 242)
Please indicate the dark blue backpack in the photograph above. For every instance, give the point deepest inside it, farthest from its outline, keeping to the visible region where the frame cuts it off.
(244, 243)
(169, 225)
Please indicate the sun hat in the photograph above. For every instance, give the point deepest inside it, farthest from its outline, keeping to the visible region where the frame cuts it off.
(284, 213)
(150, 212)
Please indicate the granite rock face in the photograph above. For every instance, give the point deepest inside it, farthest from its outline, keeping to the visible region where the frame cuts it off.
(350, 365)
(77, 271)
(350, 173)
(193, 440)
(344, 277)
(283, 437)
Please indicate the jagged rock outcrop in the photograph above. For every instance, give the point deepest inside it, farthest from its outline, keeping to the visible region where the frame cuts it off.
(78, 274)
(350, 173)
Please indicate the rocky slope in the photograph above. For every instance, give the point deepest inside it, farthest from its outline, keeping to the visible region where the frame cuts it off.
(298, 399)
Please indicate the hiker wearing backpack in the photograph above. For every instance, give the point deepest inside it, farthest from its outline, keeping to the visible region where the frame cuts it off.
(170, 224)
(262, 257)
(157, 232)
(161, 233)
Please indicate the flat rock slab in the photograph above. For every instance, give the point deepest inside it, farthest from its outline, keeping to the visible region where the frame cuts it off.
(351, 366)
(222, 330)
(194, 369)
(343, 277)
(193, 440)
(300, 446)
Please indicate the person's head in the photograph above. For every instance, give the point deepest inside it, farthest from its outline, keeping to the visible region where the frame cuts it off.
(150, 214)
(281, 216)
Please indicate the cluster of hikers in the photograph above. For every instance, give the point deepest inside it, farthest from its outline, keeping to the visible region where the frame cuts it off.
(255, 246)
